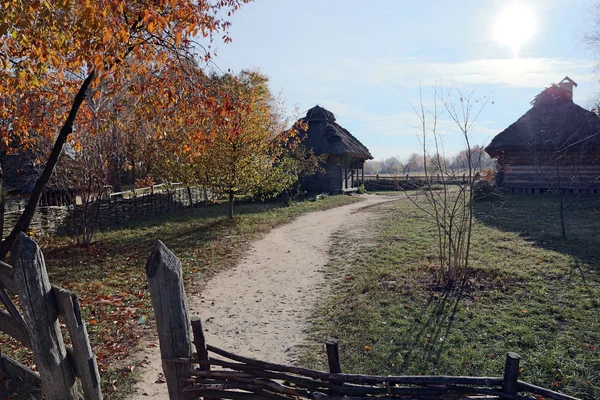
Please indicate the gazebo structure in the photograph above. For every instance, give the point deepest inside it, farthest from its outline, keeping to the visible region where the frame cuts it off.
(553, 146)
(344, 167)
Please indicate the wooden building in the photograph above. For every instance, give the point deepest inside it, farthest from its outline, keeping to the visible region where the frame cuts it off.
(21, 171)
(553, 146)
(344, 167)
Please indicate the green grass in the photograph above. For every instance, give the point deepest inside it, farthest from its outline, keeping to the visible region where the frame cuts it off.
(109, 277)
(529, 291)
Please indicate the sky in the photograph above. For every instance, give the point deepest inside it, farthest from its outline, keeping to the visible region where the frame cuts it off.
(369, 62)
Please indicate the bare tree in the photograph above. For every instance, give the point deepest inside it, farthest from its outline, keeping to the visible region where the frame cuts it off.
(84, 172)
(449, 193)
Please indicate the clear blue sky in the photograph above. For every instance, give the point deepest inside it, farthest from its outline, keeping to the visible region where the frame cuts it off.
(364, 60)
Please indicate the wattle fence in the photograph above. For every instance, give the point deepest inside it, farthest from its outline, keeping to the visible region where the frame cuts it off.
(214, 373)
(115, 210)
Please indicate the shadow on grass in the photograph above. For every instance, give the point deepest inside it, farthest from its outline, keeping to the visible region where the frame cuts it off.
(440, 314)
(185, 232)
(536, 219)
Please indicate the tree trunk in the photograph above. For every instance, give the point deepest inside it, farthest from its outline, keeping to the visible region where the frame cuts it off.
(191, 199)
(2, 210)
(562, 218)
(230, 205)
(2, 204)
(27, 215)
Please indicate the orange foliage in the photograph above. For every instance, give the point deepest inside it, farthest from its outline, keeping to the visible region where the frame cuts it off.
(47, 48)
(52, 52)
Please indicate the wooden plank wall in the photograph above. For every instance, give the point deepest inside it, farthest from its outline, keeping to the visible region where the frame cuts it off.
(550, 178)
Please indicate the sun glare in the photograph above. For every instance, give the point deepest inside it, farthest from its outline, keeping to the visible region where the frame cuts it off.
(515, 25)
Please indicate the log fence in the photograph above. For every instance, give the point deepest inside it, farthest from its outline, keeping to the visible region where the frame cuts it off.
(214, 373)
(38, 329)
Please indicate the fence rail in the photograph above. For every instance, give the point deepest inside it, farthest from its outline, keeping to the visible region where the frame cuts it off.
(224, 375)
(412, 181)
(38, 327)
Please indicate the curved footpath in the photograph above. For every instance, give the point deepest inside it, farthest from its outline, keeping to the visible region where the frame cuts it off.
(259, 308)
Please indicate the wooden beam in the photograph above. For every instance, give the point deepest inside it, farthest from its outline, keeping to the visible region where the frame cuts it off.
(169, 300)
(40, 314)
(16, 369)
(333, 356)
(345, 173)
(83, 357)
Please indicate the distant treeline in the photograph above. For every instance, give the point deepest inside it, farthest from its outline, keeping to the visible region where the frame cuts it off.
(480, 160)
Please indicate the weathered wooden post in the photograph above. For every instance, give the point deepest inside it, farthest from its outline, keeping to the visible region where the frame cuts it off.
(200, 343)
(511, 374)
(40, 313)
(172, 317)
(333, 356)
(85, 358)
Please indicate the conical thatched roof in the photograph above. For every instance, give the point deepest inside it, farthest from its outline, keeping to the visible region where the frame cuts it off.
(554, 121)
(325, 136)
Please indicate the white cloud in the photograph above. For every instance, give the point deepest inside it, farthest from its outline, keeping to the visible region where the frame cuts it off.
(508, 72)
(382, 132)
(372, 98)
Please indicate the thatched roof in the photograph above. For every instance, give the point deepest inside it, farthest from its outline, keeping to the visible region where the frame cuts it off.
(21, 171)
(325, 136)
(553, 121)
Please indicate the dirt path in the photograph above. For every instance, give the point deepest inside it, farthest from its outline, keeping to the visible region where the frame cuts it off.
(260, 307)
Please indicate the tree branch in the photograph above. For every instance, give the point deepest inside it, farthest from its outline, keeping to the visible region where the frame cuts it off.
(27, 215)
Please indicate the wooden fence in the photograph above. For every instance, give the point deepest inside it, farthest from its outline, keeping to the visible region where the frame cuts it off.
(214, 373)
(47, 219)
(411, 181)
(115, 210)
(147, 202)
(38, 329)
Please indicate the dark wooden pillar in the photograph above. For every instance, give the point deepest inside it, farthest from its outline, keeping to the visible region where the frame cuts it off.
(363, 172)
(341, 174)
(345, 173)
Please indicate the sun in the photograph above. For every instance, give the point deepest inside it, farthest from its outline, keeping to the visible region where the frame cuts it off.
(515, 25)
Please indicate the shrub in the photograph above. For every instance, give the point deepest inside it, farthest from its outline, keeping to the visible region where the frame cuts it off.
(483, 189)
(361, 189)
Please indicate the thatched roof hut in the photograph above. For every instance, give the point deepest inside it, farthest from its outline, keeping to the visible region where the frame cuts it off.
(21, 171)
(325, 136)
(554, 117)
(346, 154)
(555, 137)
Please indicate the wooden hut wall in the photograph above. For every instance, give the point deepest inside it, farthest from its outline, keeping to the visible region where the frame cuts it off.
(329, 181)
(518, 170)
(341, 172)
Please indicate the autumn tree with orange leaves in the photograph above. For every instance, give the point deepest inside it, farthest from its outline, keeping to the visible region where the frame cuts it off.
(53, 52)
(249, 139)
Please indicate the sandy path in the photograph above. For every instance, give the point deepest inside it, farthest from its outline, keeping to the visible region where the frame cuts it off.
(260, 307)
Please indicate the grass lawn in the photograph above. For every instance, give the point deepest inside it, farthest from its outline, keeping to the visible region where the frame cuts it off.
(110, 279)
(529, 291)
